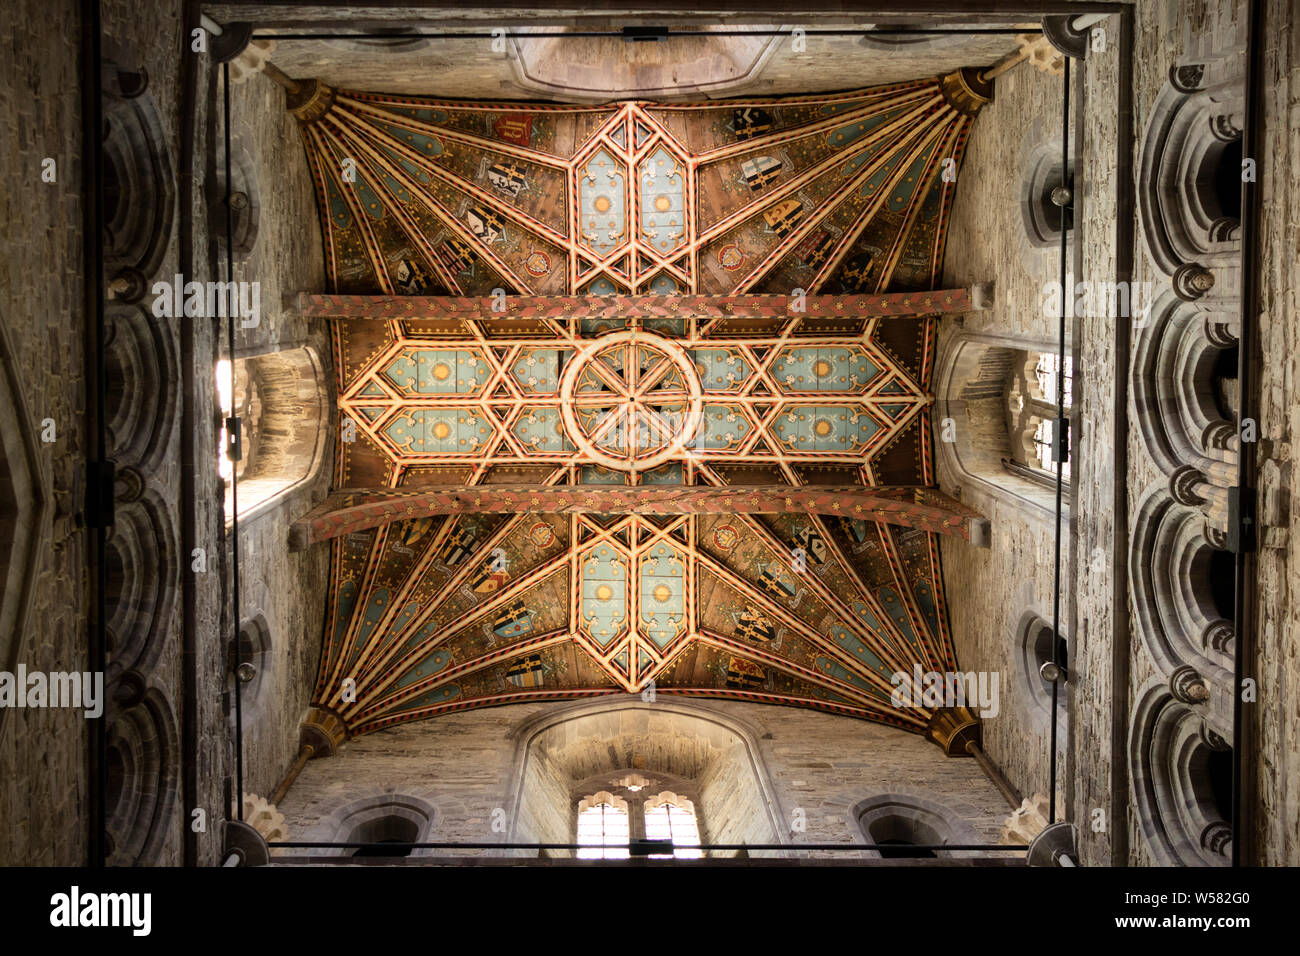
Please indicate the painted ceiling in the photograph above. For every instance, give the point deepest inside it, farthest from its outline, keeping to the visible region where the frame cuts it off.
(844, 193)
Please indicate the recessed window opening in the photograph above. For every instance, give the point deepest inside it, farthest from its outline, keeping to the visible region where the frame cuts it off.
(603, 831)
(668, 817)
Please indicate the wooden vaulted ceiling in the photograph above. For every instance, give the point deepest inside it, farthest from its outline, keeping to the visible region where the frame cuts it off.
(641, 207)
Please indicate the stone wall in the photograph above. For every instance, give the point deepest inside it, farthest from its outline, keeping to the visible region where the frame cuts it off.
(287, 589)
(1165, 35)
(996, 586)
(1273, 721)
(173, 682)
(1098, 542)
(816, 769)
(465, 764)
(589, 69)
(42, 308)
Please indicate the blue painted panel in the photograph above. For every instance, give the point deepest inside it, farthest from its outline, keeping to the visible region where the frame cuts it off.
(437, 372)
(604, 594)
(829, 428)
(663, 202)
(438, 431)
(542, 429)
(720, 370)
(663, 594)
(537, 371)
(825, 369)
(602, 204)
(722, 427)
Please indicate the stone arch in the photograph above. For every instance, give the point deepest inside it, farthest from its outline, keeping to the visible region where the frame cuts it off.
(282, 401)
(245, 203)
(1189, 182)
(139, 185)
(24, 510)
(978, 439)
(888, 36)
(143, 773)
(400, 42)
(601, 68)
(1181, 773)
(1193, 136)
(909, 818)
(141, 375)
(255, 649)
(1185, 402)
(1183, 408)
(1181, 581)
(378, 818)
(712, 756)
(1034, 648)
(140, 574)
(1042, 173)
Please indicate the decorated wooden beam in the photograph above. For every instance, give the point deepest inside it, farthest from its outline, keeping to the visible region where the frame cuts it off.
(889, 305)
(358, 510)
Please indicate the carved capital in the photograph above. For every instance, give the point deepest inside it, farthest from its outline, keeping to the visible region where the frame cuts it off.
(1188, 686)
(1184, 486)
(323, 730)
(1188, 78)
(952, 727)
(1217, 838)
(1218, 636)
(1226, 127)
(310, 102)
(127, 285)
(1191, 281)
(264, 818)
(966, 91)
(1030, 819)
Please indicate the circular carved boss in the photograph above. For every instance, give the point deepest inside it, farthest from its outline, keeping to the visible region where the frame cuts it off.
(631, 400)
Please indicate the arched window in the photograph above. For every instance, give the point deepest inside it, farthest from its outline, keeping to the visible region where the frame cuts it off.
(996, 413)
(385, 818)
(254, 650)
(1041, 216)
(670, 817)
(908, 826)
(603, 829)
(1181, 769)
(1035, 650)
(392, 833)
(1032, 412)
(280, 401)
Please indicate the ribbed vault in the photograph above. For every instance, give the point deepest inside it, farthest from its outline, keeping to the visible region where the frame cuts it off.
(723, 217)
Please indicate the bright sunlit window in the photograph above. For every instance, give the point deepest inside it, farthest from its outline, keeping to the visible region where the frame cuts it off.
(225, 395)
(1050, 377)
(603, 828)
(1048, 365)
(670, 817)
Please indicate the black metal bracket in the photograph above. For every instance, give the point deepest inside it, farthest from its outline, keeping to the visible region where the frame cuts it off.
(648, 847)
(1241, 520)
(1060, 32)
(232, 41)
(1061, 440)
(645, 34)
(234, 439)
(100, 478)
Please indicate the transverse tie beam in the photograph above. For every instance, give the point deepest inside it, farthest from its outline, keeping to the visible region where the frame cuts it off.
(889, 305)
(926, 509)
